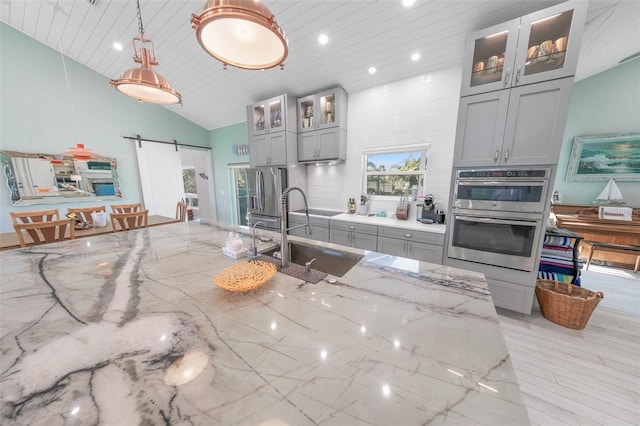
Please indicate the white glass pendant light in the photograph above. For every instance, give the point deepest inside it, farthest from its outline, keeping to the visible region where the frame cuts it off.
(143, 83)
(241, 33)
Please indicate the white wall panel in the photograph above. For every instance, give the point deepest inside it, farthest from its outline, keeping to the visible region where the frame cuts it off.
(422, 109)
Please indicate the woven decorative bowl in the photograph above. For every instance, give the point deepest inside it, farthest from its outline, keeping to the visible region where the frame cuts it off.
(245, 276)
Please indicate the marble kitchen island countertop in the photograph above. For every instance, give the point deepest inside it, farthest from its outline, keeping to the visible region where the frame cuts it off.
(129, 328)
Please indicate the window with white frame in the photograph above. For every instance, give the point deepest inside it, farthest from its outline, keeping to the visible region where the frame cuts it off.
(395, 170)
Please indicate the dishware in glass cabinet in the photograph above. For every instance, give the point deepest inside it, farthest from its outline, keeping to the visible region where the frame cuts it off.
(548, 40)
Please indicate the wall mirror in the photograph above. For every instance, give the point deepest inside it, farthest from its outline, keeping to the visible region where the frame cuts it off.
(53, 179)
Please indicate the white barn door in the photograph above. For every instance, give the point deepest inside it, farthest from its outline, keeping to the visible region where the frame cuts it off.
(160, 168)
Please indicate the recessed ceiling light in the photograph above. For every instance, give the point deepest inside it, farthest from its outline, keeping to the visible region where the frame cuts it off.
(323, 39)
(408, 3)
(117, 46)
(372, 70)
(415, 56)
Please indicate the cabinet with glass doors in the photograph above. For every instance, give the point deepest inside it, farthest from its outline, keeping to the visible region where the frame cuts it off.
(271, 128)
(540, 46)
(322, 122)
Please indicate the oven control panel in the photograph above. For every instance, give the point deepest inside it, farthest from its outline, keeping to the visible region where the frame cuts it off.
(491, 173)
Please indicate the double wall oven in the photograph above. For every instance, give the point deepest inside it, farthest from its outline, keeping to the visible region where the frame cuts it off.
(497, 216)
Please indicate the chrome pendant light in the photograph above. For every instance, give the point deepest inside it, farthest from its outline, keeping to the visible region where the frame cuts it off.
(143, 83)
(242, 33)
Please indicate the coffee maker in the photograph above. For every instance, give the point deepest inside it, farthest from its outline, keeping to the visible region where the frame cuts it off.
(429, 213)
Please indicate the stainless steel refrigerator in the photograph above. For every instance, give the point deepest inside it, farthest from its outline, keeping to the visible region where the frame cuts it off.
(265, 186)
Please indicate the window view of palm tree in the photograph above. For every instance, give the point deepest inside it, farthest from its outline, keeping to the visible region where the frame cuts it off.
(395, 173)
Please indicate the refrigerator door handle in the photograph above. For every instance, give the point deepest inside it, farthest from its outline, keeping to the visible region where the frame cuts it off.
(260, 190)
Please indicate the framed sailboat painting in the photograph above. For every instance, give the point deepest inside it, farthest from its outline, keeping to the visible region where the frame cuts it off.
(604, 157)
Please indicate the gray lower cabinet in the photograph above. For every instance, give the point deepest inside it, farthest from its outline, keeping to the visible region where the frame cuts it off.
(419, 245)
(355, 235)
(319, 227)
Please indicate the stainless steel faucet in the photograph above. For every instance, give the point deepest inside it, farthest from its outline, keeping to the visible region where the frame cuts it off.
(284, 244)
(254, 250)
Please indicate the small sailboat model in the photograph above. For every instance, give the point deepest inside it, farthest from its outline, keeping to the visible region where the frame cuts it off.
(610, 195)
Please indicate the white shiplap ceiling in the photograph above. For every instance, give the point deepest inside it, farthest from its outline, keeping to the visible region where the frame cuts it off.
(362, 33)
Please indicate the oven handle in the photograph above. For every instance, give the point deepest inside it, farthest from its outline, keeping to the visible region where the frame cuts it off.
(497, 221)
(461, 182)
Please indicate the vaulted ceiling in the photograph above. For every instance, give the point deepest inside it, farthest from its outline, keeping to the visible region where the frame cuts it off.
(362, 33)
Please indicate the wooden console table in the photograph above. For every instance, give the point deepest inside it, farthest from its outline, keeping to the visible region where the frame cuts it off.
(9, 240)
(584, 220)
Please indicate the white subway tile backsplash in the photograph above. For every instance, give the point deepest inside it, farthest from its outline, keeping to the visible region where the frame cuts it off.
(416, 110)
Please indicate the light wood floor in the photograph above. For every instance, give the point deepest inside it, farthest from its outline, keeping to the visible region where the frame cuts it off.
(582, 377)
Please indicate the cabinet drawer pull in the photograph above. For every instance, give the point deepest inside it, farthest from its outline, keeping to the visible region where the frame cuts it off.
(496, 155)
(352, 227)
(408, 235)
(518, 74)
(506, 154)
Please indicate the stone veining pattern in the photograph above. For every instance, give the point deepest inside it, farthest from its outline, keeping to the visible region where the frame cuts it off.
(130, 328)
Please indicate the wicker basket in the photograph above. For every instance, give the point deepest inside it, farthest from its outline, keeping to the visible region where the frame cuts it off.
(245, 276)
(566, 304)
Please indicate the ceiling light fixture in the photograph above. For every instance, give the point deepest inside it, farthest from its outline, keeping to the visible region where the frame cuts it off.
(118, 46)
(372, 70)
(415, 56)
(323, 39)
(408, 3)
(241, 33)
(143, 83)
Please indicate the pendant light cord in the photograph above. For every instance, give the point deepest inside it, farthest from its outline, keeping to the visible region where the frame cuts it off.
(66, 77)
(140, 27)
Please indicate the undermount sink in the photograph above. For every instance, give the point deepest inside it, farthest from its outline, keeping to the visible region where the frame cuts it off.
(331, 261)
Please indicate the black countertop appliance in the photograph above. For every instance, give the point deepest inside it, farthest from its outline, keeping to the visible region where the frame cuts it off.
(429, 213)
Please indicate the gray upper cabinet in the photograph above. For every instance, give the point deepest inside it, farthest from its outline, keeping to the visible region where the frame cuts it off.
(520, 126)
(541, 46)
(268, 116)
(270, 131)
(268, 150)
(322, 122)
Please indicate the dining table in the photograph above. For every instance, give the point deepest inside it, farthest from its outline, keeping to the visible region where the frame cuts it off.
(132, 328)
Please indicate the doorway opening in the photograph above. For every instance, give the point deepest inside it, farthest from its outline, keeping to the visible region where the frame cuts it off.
(238, 179)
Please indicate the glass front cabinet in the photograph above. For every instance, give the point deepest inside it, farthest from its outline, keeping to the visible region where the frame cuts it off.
(268, 116)
(322, 126)
(540, 46)
(322, 110)
(271, 132)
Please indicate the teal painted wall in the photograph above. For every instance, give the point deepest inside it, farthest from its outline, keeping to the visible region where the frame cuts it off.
(606, 103)
(222, 141)
(36, 114)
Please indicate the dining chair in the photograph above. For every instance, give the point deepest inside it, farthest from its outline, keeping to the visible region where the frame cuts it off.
(126, 208)
(85, 212)
(129, 221)
(181, 211)
(37, 216)
(42, 226)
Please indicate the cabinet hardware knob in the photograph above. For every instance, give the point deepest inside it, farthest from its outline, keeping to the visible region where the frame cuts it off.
(352, 227)
(506, 154)
(496, 155)
(408, 235)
